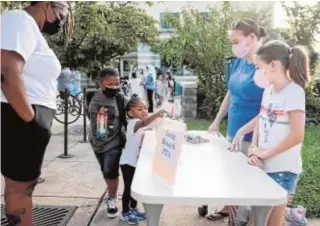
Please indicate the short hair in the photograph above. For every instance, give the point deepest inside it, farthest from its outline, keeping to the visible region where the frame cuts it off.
(108, 72)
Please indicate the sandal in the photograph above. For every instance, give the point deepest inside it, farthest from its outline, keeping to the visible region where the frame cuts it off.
(216, 215)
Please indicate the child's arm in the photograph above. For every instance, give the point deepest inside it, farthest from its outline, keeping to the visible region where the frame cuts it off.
(250, 126)
(255, 136)
(296, 135)
(146, 121)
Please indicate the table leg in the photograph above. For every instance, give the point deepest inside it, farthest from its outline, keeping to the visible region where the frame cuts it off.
(153, 212)
(260, 215)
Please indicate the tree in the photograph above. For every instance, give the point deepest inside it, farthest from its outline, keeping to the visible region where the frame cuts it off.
(304, 21)
(200, 42)
(263, 16)
(103, 32)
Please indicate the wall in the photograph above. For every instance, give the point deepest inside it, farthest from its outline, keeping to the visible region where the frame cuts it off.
(189, 96)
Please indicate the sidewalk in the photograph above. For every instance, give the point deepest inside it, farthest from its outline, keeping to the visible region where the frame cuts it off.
(77, 181)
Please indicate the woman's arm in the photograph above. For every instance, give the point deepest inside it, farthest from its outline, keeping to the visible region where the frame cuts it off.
(146, 121)
(255, 136)
(249, 127)
(12, 85)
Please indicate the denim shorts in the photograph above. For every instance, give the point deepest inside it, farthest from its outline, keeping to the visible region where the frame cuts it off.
(109, 163)
(287, 180)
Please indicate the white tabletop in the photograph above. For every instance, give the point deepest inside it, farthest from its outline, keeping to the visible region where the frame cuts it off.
(206, 174)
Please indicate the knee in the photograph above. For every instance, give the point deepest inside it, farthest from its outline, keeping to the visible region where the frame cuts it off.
(110, 175)
(19, 189)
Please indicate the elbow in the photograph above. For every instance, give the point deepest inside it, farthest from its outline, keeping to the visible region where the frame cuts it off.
(297, 137)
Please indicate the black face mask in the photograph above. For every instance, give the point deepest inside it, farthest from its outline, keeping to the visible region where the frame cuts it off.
(51, 28)
(110, 92)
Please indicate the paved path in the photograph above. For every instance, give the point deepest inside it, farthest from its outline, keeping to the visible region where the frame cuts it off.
(77, 181)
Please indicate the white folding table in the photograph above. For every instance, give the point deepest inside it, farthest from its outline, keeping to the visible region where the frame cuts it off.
(207, 174)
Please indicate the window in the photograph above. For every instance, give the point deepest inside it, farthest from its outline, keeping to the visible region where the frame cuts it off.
(205, 16)
(164, 17)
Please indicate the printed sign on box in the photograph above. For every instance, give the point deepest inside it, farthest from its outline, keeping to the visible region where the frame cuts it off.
(170, 138)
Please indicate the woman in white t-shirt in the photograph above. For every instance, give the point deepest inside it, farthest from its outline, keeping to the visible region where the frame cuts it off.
(135, 84)
(281, 123)
(138, 119)
(29, 72)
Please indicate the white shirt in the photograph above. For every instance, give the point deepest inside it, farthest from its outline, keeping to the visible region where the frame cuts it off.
(274, 126)
(131, 151)
(135, 86)
(20, 33)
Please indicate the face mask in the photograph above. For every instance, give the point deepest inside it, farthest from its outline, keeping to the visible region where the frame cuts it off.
(110, 92)
(240, 49)
(261, 79)
(51, 28)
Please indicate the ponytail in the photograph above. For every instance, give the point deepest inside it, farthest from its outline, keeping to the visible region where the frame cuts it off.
(299, 66)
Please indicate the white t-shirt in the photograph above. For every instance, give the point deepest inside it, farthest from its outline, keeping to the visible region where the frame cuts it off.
(131, 151)
(20, 33)
(135, 86)
(274, 126)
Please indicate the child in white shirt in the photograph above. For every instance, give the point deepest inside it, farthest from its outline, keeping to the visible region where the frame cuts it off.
(135, 83)
(138, 119)
(281, 123)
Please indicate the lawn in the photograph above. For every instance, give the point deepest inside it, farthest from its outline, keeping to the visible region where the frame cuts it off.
(308, 190)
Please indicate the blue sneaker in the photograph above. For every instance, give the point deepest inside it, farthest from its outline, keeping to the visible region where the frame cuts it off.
(138, 214)
(129, 218)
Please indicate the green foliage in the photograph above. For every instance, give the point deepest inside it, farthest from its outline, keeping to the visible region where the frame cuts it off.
(103, 32)
(308, 190)
(4, 5)
(304, 21)
(200, 42)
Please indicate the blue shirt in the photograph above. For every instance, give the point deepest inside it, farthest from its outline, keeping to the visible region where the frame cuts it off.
(150, 85)
(246, 97)
(177, 89)
(64, 80)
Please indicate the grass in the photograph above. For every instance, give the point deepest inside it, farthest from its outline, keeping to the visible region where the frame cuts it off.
(308, 190)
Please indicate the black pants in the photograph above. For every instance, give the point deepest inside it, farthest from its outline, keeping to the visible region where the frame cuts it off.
(127, 201)
(23, 144)
(150, 100)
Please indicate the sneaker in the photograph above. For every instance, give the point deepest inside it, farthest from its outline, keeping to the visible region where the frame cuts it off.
(129, 217)
(112, 211)
(138, 214)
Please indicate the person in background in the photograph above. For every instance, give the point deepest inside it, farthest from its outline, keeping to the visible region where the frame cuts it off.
(107, 121)
(64, 81)
(243, 99)
(150, 86)
(29, 72)
(138, 120)
(170, 82)
(135, 83)
(75, 83)
(159, 89)
(281, 123)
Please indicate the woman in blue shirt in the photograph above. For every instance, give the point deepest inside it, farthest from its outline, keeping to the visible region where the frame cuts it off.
(243, 99)
(150, 86)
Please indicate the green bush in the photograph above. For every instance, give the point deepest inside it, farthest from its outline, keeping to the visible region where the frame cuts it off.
(308, 190)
